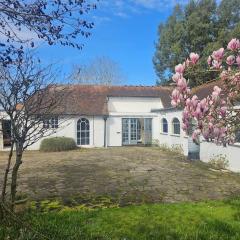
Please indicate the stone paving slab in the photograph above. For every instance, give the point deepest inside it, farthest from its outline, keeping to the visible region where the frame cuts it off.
(129, 174)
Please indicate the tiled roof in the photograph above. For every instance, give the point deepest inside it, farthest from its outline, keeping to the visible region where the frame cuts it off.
(205, 89)
(92, 99)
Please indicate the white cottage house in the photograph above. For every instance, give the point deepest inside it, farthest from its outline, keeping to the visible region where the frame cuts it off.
(115, 116)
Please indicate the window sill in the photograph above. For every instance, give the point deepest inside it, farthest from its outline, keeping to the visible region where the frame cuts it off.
(162, 133)
(175, 135)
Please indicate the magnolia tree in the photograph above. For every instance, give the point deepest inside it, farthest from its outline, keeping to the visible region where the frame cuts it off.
(217, 116)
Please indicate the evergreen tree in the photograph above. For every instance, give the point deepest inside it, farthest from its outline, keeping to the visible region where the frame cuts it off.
(201, 26)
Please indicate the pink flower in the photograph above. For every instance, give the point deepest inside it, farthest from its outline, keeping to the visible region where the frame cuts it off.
(194, 57)
(209, 61)
(194, 100)
(217, 64)
(176, 77)
(238, 60)
(187, 62)
(216, 131)
(230, 60)
(224, 75)
(216, 92)
(223, 111)
(180, 68)
(218, 55)
(206, 133)
(234, 44)
(188, 102)
(196, 134)
(176, 98)
(198, 113)
(182, 84)
(217, 89)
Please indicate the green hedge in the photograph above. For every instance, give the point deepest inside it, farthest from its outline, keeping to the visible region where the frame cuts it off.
(57, 144)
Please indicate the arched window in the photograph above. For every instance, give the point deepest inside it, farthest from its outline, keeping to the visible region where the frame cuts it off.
(83, 131)
(164, 125)
(176, 126)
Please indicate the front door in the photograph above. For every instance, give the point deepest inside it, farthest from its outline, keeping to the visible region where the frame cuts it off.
(136, 131)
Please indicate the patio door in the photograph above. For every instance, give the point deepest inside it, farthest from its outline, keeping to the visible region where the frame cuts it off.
(136, 131)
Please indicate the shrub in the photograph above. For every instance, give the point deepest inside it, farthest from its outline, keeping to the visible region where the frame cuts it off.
(219, 162)
(57, 144)
(175, 148)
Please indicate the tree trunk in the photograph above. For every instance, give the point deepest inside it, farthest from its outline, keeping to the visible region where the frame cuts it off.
(14, 177)
(5, 180)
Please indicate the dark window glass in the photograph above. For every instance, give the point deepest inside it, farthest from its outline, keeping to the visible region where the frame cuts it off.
(176, 126)
(83, 132)
(164, 125)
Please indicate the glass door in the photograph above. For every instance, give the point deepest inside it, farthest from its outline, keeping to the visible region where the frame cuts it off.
(147, 131)
(125, 131)
(131, 131)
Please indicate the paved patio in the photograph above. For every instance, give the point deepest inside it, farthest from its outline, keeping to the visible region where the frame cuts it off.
(133, 174)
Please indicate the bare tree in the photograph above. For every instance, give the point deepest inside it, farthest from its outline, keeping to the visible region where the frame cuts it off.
(100, 71)
(29, 99)
(23, 23)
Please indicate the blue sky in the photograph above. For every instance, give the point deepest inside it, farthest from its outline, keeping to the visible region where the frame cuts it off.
(125, 31)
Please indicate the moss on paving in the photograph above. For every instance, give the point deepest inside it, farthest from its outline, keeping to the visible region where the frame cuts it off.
(128, 174)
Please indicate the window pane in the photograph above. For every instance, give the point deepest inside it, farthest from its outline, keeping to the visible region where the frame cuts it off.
(176, 126)
(83, 131)
(164, 125)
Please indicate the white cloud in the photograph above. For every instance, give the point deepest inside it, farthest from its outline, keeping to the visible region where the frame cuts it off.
(126, 8)
(159, 5)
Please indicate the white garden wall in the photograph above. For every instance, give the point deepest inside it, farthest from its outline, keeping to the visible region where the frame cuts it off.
(209, 150)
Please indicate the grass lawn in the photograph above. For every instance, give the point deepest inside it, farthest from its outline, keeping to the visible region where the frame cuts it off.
(214, 220)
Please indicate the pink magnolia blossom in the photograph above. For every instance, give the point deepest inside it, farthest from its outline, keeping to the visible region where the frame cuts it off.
(216, 92)
(209, 61)
(223, 111)
(234, 44)
(196, 134)
(230, 60)
(194, 57)
(194, 101)
(180, 68)
(187, 62)
(238, 60)
(214, 114)
(182, 84)
(176, 98)
(218, 55)
(224, 75)
(176, 77)
(217, 64)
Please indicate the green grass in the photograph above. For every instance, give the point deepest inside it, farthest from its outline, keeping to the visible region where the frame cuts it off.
(216, 220)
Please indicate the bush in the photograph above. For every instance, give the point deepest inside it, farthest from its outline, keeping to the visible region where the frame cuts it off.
(219, 162)
(57, 144)
(175, 148)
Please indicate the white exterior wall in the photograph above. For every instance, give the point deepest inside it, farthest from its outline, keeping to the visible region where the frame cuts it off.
(3, 115)
(130, 107)
(133, 104)
(68, 128)
(170, 139)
